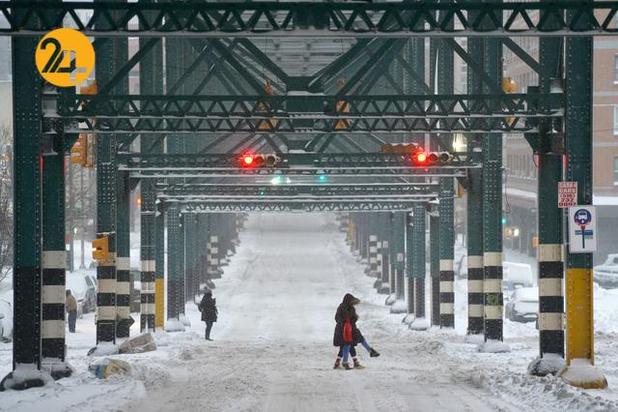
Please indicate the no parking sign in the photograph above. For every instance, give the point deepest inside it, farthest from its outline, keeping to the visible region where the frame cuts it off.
(582, 229)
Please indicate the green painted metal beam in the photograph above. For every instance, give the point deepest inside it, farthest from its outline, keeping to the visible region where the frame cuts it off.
(263, 19)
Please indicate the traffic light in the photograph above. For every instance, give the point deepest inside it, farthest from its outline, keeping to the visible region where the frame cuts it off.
(100, 249)
(79, 151)
(257, 160)
(504, 220)
(431, 158)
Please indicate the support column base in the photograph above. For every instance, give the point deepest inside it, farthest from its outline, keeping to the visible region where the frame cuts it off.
(399, 306)
(409, 318)
(185, 320)
(390, 299)
(377, 284)
(25, 377)
(174, 325)
(56, 368)
(104, 349)
(494, 346)
(384, 289)
(581, 373)
(419, 324)
(549, 364)
(475, 339)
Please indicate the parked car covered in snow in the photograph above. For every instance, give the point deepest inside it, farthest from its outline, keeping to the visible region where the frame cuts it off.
(523, 305)
(6, 321)
(606, 274)
(517, 274)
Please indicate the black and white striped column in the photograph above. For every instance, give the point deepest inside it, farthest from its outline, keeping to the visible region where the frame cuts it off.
(53, 298)
(494, 298)
(378, 275)
(551, 300)
(373, 255)
(213, 258)
(385, 288)
(123, 296)
(475, 295)
(106, 300)
(147, 303)
(447, 294)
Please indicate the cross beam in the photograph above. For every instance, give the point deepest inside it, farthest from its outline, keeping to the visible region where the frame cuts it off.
(309, 19)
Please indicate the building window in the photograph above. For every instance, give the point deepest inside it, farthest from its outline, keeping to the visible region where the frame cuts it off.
(616, 171)
(616, 68)
(615, 120)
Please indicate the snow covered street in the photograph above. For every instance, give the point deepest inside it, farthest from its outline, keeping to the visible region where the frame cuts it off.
(272, 348)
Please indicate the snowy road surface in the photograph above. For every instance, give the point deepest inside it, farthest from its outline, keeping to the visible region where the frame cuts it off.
(273, 346)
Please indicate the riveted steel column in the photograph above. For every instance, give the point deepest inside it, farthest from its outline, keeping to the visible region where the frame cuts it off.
(174, 238)
(399, 229)
(147, 257)
(106, 208)
(27, 131)
(123, 241)
(409, 264)
(434, 267)
(54, 258)
(579, 286)
(159, 269)
(419, 260)
(123, 259)
(385, 224)
(550, 264)
(492, 207)
(446, 206)
(476, 310)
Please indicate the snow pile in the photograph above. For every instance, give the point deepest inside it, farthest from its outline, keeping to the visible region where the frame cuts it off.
(583, 374)
(494, 346)
(104, 349)
(550, 363)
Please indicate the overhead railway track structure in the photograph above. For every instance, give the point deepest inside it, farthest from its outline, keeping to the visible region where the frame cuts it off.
(217, 109)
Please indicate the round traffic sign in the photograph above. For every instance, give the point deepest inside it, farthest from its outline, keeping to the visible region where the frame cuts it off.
(582, 217)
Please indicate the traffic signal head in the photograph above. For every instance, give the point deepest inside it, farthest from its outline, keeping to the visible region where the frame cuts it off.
(100, 249)
(250, 160)
(420, 158)
(79, 151)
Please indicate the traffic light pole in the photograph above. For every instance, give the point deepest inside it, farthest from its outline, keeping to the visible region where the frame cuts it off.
(580, 370)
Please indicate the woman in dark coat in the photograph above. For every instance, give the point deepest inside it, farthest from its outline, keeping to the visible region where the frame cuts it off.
(347, 311)
(208, 307)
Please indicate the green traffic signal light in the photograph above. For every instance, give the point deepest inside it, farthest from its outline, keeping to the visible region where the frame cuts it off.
(323, 178)
(504, 220)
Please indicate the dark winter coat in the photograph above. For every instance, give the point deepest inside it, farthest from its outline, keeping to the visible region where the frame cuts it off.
(346, 311)
(208, 307)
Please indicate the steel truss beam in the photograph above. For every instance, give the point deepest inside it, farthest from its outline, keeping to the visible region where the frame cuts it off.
(296, 206)
(308, 19)
(274, 108)
(298, 190)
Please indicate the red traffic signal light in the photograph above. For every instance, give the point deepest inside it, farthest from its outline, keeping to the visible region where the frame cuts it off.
(426, 159)
(259, 160)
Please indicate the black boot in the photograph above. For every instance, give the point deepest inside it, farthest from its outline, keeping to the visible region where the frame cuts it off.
(337, 363)
(346, 366)
(373, 353)
(357, 364)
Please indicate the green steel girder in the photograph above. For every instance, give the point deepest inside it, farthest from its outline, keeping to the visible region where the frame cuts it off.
(300, 189)
(311, 206)
(308, 19)
(275, 107)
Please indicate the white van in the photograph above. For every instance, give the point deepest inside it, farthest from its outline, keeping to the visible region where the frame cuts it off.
(515, 274)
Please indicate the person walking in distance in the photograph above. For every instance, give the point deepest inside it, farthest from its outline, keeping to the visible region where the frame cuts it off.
(208, 307)
(347, 334)
(71, 308)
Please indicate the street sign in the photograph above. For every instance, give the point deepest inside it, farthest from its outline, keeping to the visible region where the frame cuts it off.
(582, 229)
(399, 257)
(567, 194)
